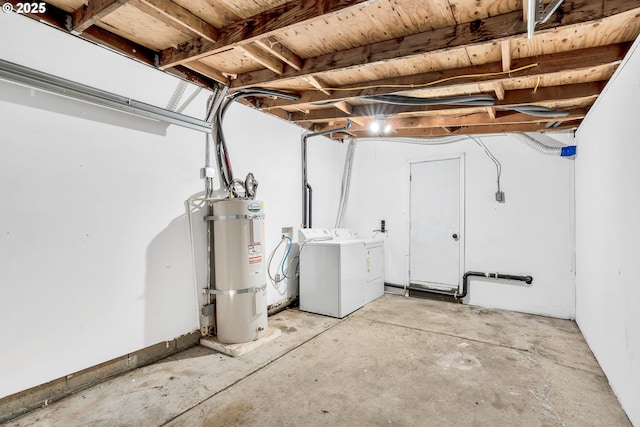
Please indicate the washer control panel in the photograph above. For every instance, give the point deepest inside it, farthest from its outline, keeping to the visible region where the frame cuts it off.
(308, 234)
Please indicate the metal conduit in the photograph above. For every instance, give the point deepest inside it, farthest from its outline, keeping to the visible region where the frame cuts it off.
(307, 191)
(30, 77)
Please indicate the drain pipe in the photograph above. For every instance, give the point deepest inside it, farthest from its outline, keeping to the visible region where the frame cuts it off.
(465, 282)
(282, 305)
(307, 191)
(420, 289)
(309, 205)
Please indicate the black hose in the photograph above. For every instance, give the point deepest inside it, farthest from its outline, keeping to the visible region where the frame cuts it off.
(469, 100)
(258, 91)
(224, 162)
(465, 285)
(537, 111)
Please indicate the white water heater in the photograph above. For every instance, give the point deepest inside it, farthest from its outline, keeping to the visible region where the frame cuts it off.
(240, 277)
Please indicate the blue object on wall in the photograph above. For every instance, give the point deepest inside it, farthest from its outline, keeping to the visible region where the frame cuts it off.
(568, 151)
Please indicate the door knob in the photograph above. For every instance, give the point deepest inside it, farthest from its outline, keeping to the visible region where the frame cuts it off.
(455, 236)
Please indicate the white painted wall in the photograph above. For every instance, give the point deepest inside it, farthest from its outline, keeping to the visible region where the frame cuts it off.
(324, 173)
(608, 232)
(530, 234)
(94, 249)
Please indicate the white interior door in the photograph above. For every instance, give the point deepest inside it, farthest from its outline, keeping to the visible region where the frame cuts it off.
(435, 221)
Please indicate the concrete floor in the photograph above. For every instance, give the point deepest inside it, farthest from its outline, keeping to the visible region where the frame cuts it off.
(398, 361)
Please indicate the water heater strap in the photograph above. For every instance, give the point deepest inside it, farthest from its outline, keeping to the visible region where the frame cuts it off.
(254, 289)
(226, 217)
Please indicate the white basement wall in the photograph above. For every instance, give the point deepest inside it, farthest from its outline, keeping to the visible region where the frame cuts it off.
(530, 234)
(324, 173)
(608, 232)
(94, 250)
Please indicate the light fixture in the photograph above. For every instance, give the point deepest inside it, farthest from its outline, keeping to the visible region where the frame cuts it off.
(376, 125)
(379, 125)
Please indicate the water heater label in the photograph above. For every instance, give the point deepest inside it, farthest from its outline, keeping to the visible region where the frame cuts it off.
(255, 253)
(254, 207)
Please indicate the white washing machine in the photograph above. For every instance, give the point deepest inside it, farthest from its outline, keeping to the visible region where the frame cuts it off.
(342, 234)
(332, 273)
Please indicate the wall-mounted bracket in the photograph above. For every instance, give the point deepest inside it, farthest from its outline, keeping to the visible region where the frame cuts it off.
(538, 14)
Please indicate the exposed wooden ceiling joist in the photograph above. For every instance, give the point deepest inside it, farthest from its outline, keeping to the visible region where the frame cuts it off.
(512, 98)
(257, 27)
(92, 12)
(318, 84)
(460, 130)
(58, 18)
(270, 44)
(344, 107)
(177, 17)
(497, 28)
(259, 55)
(488, 73)
(336, 53)
(474, 119)
(205, 70)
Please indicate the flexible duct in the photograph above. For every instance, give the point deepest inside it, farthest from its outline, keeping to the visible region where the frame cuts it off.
(471, 100)
(467, 100)
(545, 149)
(346, 182)
(531, 142)
(538, 111)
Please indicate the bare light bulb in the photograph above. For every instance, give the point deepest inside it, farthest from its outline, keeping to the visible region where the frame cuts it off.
(378, 124)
